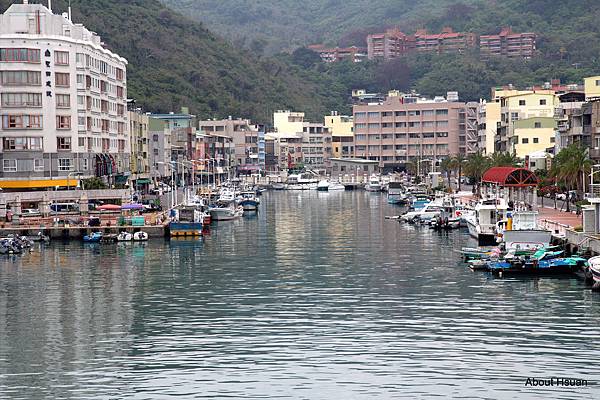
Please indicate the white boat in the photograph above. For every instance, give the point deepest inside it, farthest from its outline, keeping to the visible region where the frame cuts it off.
(323, 185)
(482, 223)
(278, 186)
(124, 237)
(334, 186)
(140, 236)
(520, 231)
(226, 213)
(594, 268)
(304, 181)
(374, 184)
(431, 210)
(226, 196)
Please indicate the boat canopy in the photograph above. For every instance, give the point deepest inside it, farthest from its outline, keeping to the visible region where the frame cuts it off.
(510, 176)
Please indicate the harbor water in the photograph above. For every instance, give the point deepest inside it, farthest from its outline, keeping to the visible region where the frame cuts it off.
(318, 296)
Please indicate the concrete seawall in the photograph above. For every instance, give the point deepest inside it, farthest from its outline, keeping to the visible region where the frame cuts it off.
(78, 232)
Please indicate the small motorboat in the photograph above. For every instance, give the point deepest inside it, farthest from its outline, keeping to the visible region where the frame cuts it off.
(323, 185)
(249, 201)
(278, 186)
(334, 186)
(124, 237)
(95, 237)
(594, 269)
(140, 236)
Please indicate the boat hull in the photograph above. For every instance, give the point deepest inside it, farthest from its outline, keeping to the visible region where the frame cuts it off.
(249, 205)
(178, 229)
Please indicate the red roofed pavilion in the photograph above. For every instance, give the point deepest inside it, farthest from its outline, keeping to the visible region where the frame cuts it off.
(510, 177)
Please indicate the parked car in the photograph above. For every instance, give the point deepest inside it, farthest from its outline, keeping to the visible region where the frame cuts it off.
(30, 212)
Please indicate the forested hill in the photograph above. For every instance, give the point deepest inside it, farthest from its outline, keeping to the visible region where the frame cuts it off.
(281, 25)
(566, 28)
(176, 62)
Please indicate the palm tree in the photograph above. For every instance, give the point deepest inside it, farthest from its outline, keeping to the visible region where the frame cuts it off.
(570, 166)
(475, 167)
(504, 159)
(458, 161)
(447, 168)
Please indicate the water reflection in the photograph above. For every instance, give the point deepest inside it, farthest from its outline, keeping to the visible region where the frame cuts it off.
(316, 296)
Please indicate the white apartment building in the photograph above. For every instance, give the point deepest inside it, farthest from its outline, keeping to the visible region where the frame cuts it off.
(62, 102)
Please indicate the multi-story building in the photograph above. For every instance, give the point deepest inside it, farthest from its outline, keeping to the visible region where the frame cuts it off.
(408, 128)
(138, 137)
(335, 54)
(488, 123)
(247, 140)
(532, 135)
(62, 101)
(214, 157)
(315, 149)
(447, 41)
(159, 149)
(508, 44)
(592, 87)
(518, 105)
(391, 44)
(341, 128)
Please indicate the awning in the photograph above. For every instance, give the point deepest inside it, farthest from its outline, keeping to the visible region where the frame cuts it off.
(120, 179)
(142, 181)
(38, 183)
(510, 176)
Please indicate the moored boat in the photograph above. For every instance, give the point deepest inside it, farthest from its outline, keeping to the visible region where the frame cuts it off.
(248, 201)
(374, 184)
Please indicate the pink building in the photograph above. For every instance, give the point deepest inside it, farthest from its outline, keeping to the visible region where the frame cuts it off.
(403, 128)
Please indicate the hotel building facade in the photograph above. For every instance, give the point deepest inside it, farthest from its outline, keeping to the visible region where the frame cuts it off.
(62, 102)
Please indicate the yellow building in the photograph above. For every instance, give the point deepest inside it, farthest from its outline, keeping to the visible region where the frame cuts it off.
(490, 114)
(519, 105)
(288, 122)
(533, 135)
(341, 128)
(591, 87)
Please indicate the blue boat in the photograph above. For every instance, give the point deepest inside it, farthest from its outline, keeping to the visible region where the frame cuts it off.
(534, 267)
(249, 201)
(95, 237)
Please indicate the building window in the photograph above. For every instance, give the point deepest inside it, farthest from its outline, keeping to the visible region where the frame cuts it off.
(428, 134)
(514, 116)
(441, 112)
(400, 113)
(10, 165)
(536, 140)
(38, 165)
(414, 113)
(373, 126)
(61, 57)
(373, 114)
(552, 139)
(62, 79)
(521, 102)
(35, 143)
(81, 142)
(400, 124)
(427, 113)
(441, 134)
(20, 55)
(441, 124)
(525, 140)
(414, 124)
(63, 143)
(537, 124)
(85, 164)
(21, 121)
(63, 100)
(64, 164)
(414, 135)
(542, 102)
(597, 82)
(63, 122)
(18, 78)
(21, 99)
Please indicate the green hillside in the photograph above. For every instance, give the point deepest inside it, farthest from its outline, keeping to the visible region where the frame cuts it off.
(275, 25)
(175, 62)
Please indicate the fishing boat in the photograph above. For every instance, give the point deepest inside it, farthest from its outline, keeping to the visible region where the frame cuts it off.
(94, 237)
(304, 181)
(523, 266)
(374, 184)
(395, 194)
(186, 221)
(248, 201)
(482, 222)
(226, 213)
(520, 230)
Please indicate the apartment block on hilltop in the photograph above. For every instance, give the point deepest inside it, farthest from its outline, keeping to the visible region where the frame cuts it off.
(508, 43)
(447, 41)
(335, 54)
(409, 128)
(62, 102)
(391, 44)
